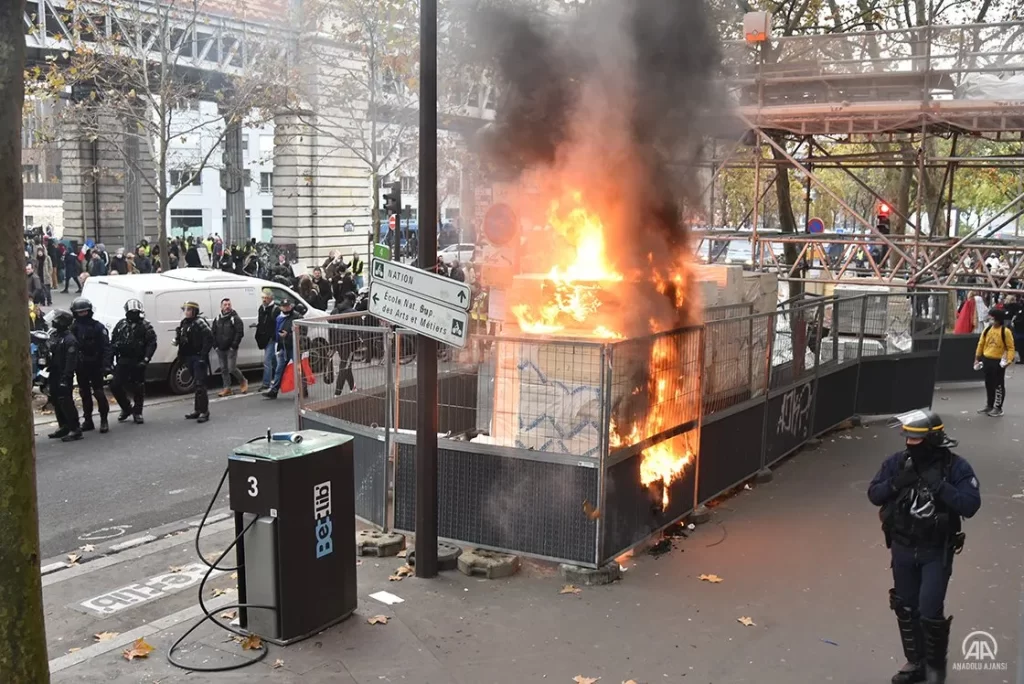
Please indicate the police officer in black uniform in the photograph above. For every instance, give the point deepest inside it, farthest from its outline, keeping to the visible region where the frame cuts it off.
(62, 363)
(194, 340)
(134, 343)
(94, 362)
(923, 491)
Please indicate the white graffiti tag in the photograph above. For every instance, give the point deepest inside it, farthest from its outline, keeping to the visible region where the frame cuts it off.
(795, 413)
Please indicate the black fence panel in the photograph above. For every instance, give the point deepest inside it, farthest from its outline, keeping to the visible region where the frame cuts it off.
(369, 463)
(789, 421)
(956, 356)
(633, 511)
(532, 507)
(895, 385)
(456, 403)
(730, 450)
(837, 398)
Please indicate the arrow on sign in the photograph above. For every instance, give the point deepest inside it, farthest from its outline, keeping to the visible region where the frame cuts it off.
(462, 296)
(375, 298)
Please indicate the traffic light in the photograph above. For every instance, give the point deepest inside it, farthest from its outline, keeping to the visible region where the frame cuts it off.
(393, 200)
(883, 218)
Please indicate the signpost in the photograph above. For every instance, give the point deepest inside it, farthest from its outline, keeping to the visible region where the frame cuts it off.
(419, 314)
(382, 251)
(420, 283)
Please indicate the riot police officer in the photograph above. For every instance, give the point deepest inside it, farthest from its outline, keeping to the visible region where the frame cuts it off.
(194, 340)
(62, 363)
(134, 343)
(923, 491)
(94, 362)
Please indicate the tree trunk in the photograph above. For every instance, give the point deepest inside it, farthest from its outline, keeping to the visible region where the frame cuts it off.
(375, 211)
(161, 220)
(23, 655)
(787, 222)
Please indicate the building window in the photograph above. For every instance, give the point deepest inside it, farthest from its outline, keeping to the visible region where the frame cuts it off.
(453, 185)
(407, 151)
(58, 173)
(224, 225)
(186, 222)
(245, 149)
(180, 177)
(29, 220)
(266, 182)
(409, 184)
(267, 233)
(30, 173)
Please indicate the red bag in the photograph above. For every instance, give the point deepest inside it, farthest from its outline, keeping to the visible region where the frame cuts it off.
(288, 380)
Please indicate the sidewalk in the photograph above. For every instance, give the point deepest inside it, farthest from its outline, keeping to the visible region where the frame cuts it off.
(801, 556)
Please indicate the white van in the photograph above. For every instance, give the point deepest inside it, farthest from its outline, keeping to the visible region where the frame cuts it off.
(162, 294)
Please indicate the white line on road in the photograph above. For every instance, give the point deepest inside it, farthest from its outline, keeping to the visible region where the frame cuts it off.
(212, 519)
(132, 542)
(125, 638)
(52, 567)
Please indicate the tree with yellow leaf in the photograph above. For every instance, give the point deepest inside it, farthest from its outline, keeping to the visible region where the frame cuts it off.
(135, 86)
(23, 655)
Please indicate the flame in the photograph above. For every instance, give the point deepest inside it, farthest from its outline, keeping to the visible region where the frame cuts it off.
(574, 295)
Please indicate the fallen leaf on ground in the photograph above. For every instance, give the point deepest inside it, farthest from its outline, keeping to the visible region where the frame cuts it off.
(229, 615)
(88, 548)
(278, 664)
(403, 553)
(176, 568)
(745, 621)
(400, 574)
(234, 575)
(73, 558)
(251, 643)
(580, 679)
(105, 636)
(378, 620)
(140, 649)
(570, 589)
(76, 648)
(220, 592)
(714, 579)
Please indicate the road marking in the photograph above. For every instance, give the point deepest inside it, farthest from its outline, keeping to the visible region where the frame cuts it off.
(125, 638)
(137, 541)
(153, 588)
(52, 567)
(147, 550)
(105, 533)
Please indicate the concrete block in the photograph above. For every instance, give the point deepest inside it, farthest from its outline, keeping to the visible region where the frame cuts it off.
(700, 515)
(591, 577)
(376, 543)
(447, 556)
(489, 564)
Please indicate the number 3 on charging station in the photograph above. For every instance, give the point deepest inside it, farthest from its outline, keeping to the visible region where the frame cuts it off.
(254, 486)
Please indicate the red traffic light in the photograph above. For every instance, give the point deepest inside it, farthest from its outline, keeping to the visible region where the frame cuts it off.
(883, 209)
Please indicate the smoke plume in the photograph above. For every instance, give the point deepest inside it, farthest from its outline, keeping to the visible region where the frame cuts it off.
(609, 102)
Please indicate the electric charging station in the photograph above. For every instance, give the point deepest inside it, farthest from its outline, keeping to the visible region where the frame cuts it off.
(293, 495)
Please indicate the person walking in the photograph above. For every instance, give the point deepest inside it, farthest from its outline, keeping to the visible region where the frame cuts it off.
(44, 268)
(71, 271)
(283, 336)
(62, 364)
(357, 269)
(194, 340)
(95, 358)
(266, 330)
(35, 285)
(994, 353)
(924, 492)
(134, 343)
(228, 331)
(344, 342)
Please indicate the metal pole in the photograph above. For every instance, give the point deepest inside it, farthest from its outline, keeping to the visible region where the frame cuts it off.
(426, 354)
(967, 238)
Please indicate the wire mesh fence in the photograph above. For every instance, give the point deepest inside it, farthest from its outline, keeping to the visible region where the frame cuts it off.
(735, 360)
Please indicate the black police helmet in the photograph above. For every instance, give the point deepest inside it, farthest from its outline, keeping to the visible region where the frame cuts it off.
(134, 308)
(81, 305)
(62, 319)
(924, 424)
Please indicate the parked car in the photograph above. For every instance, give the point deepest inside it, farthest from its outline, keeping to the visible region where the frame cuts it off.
(463, 253)
(162, 294)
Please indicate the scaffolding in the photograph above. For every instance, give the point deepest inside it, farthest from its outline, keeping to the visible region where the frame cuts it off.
(906, 86)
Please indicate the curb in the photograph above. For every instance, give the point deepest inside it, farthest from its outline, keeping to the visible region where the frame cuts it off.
(114, 547)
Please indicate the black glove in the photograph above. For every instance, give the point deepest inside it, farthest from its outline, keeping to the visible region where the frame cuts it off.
(907, 477)
(932, 479)
(142, 365)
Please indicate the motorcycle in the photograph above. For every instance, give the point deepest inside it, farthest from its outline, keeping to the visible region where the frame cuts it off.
(40, 358)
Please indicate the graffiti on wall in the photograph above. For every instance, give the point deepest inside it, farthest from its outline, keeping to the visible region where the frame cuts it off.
(795, 415)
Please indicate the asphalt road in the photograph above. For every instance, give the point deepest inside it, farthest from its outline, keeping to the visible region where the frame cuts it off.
(144, 476)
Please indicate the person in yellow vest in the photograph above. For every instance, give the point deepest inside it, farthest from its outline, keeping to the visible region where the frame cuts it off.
(357, 269)
(995, 352)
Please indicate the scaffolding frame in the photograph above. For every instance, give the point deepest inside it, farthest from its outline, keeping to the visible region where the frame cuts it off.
(906, 86)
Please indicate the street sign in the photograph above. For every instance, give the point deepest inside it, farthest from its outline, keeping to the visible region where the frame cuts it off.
(419, 314)
(815, 225)
(349, 226)
(391, 222)
(382, 251)
(501, 225)
(421, 283)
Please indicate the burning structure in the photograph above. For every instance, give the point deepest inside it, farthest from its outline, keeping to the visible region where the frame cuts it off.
(601, 115)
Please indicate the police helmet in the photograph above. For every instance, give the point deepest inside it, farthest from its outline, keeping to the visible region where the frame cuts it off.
(191, 305)
(287, 301)
(62, 319)
(81, 306)
(134, 307)
(924, 424)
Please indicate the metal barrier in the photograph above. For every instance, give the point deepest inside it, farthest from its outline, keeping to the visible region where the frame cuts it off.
(577, 450)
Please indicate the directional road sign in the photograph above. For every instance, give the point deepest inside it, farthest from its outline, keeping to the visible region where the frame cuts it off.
(421, 283)
(419, 314)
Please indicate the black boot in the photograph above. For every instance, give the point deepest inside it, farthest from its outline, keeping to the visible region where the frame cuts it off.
(87, 424)
(59, 433)
(936, 644)
(76, 435)
(104, 425)
(192, 416)
(202, 417)
(913, 642)
(123, 416)
(138, 419)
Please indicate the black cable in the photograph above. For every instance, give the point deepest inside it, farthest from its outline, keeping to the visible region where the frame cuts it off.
(207, 615)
